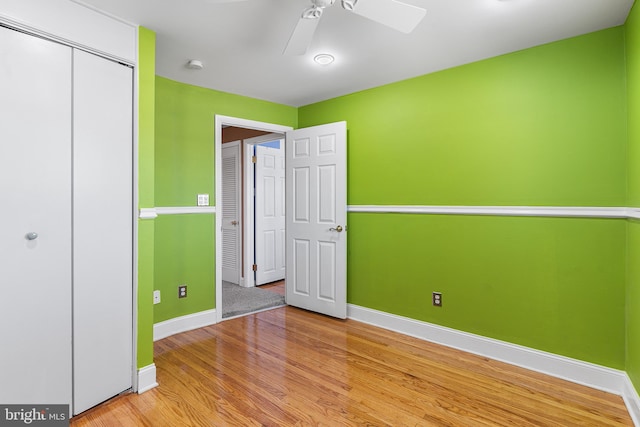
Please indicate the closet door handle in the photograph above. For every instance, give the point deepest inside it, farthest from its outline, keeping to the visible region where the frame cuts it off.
(32, 236)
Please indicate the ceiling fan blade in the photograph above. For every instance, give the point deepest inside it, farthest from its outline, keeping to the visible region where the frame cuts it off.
(301, 37)
(397, 15)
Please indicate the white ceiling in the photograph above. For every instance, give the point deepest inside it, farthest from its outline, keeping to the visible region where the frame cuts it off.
(241, 42)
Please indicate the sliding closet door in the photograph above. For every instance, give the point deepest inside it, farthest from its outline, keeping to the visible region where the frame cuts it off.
(35, 220)
(102, 239)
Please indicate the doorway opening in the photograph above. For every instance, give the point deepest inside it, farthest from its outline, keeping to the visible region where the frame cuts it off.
(236, 216)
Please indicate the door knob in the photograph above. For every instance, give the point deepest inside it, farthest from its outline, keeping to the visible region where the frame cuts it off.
(234, 222)
(338, 229)
(32, 236)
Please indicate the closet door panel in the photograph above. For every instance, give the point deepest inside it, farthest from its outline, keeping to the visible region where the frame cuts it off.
(35, 194)
(103, 235)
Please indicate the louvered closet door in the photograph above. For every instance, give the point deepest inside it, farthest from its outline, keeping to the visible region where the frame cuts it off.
(103, 229)
(35, 197)
(231, 212)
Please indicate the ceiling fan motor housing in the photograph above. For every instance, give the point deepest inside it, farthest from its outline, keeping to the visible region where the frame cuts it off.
(323, 3)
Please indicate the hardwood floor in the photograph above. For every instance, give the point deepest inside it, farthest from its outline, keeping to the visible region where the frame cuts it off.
(291, 367)
(277, 287)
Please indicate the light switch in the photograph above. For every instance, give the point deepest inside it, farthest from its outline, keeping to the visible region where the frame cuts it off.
(203, 200)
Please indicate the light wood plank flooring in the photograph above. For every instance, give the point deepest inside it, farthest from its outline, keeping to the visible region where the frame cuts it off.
(290, 367)
(277, 287)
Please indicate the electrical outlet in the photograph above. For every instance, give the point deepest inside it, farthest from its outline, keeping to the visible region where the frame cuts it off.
(156, 297)
(182, 291)
(436, 298)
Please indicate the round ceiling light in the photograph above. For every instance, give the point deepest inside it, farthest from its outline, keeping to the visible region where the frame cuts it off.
(323, 59)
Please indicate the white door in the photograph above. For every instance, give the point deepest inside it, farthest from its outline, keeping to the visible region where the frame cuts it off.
(231, 212)
(270, 213)
(316, 210)
(103, 229)
(35, 190)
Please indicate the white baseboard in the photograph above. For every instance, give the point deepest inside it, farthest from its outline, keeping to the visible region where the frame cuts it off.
(589, 374)
(147, 378)
(183, 324)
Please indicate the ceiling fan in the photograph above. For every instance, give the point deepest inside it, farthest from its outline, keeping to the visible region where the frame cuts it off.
(392, 13)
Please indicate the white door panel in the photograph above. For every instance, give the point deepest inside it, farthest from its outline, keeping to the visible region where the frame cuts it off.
(316, 219)
(103, 229)
(270, 214)
(231, 212)
(35, 184)
(62, 177)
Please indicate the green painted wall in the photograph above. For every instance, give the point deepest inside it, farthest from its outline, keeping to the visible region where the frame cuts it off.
(146, 130)
(184, 254)
(543, 126)
(632, 45)
(554, 284)
(184, 136)
(184, 167)
(632, 38)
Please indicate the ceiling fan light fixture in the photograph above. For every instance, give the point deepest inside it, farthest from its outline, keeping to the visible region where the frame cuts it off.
(313, 12)
(349, 4)
(323, 59)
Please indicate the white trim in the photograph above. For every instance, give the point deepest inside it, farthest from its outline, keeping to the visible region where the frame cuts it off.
(147, 378)
(632, 400)
(533, 211)
(542, 211)
(577, 371)
(264, 138)
(250, 124)
(184, 323)
(136, 203)
(148, 213)
(248, 220)
(179, 210)
(220, 120)
(152, 213)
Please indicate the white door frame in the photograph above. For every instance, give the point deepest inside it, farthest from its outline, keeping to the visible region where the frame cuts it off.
(249, 217)
(243, 123)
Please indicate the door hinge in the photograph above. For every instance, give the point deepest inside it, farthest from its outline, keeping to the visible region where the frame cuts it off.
(254, 159)
(255, 267)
